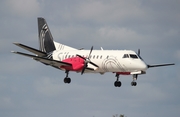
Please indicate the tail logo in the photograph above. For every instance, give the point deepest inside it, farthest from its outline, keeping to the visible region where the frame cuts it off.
(42, 35)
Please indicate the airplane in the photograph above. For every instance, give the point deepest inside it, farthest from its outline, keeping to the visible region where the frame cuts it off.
(69, 59)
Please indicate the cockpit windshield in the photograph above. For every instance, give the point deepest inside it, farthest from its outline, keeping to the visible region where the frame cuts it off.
(134, 56)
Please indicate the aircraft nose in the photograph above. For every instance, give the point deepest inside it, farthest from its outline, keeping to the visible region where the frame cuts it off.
(143, 66)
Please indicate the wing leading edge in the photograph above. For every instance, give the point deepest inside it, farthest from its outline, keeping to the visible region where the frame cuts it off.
(160, 65)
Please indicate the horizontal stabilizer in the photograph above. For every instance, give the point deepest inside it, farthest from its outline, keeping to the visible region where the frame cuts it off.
(30, 49)
(46, 61)
(160, 65)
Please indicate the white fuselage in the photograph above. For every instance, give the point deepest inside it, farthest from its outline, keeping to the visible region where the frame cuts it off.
(108, 60)
(63, 57)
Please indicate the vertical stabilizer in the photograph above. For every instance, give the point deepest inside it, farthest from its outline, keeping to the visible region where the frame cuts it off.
(45, 37)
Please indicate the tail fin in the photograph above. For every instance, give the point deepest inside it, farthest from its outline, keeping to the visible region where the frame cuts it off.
(45, 37)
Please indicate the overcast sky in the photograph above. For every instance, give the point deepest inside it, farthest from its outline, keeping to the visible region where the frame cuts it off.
(31, 89)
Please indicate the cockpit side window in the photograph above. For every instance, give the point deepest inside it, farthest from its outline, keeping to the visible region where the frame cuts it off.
(133, 56)
(126, 56)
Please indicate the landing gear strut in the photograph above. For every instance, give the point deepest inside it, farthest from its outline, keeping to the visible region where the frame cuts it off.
(134, 83)
(67, 79)
(117, 83)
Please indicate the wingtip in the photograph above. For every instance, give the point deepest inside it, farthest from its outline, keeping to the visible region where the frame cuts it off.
(160, 65)
(15, 43)
(13, 52)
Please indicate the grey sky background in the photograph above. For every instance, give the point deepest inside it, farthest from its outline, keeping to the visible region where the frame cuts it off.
(29, 88)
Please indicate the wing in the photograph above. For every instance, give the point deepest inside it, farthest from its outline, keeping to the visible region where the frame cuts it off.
(30, 49)
(159, 65)
(46, 61)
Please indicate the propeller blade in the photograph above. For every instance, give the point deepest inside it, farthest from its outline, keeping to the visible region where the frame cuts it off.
(93, 64)
(82, 72)
(85, 66)
(80, 56)
(90, 51)
(91, 69)
(139, 52)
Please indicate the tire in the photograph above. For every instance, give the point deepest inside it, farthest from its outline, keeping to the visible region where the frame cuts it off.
(68, 80)
(133, 83)
(119, 84)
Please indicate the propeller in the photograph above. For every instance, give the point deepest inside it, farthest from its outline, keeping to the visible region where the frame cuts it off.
(157, 65)
(86, 61)
(139, 52)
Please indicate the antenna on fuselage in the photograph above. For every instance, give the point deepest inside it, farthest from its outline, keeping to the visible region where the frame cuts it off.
(81, 49)
(102, 48)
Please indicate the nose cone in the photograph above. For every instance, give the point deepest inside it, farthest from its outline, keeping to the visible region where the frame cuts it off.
(143, 66)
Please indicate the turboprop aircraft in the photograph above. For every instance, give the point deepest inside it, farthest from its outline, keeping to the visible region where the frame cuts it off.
(63, 57)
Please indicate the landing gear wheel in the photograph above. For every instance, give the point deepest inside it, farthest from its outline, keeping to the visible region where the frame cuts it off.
(67, 80)
(133, 83)
(117, 84)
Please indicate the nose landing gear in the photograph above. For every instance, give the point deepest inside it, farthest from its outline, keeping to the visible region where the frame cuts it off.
(134, 83)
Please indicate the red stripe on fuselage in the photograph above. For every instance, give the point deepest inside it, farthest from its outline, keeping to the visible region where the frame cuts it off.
(123, 73)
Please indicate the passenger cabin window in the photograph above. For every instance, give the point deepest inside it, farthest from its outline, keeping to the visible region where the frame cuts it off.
(126, 56)
(133, 56)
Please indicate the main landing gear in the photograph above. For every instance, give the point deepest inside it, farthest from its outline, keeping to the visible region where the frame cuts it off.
(118, 83)
(67, 79)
